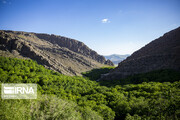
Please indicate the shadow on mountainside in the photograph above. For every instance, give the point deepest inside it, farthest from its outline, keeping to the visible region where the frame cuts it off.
(95, 74)
(165, 75)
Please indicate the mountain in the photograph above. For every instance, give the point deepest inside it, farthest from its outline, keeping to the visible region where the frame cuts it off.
(62, 54)
(115, 58)
(161, 53)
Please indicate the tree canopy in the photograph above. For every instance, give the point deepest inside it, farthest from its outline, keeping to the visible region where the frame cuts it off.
(154, 95)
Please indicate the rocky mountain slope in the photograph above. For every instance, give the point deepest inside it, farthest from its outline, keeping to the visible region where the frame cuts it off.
(161, 53)
(115, 58)
(65, 55)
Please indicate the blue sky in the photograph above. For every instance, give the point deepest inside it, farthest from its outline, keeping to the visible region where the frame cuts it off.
(106, 26)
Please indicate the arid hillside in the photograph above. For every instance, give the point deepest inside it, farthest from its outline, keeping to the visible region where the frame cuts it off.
(161, 53)
(65, 55)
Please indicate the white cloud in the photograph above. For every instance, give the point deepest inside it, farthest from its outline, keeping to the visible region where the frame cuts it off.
(105, 20)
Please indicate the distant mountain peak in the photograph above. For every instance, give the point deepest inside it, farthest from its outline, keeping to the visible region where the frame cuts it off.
(116, 58)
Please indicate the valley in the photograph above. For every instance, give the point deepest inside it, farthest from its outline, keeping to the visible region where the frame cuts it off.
(76, 83)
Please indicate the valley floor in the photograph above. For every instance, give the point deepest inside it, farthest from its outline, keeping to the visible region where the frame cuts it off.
(150, 96)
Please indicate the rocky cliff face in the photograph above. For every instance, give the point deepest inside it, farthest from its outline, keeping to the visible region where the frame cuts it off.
(162, 53)
(61, 54)
(73, 45)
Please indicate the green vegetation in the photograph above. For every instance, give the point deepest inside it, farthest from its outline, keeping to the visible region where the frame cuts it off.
(154, 76)
(95, 74)
(71, 98)
(165, 75)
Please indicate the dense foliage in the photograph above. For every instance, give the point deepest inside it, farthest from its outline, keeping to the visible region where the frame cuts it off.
(95, 74)
(70, 98)
(165, 75)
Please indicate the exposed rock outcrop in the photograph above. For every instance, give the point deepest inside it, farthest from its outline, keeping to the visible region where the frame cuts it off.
(162, 53)
(74, 45)
(108, 62)
(65, 55)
